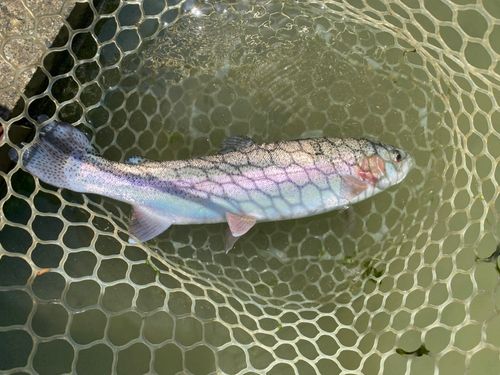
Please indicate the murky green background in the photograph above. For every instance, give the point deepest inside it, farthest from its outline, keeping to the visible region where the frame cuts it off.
(302, 296)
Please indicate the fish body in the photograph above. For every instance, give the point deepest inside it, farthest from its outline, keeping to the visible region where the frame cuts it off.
(245, 183)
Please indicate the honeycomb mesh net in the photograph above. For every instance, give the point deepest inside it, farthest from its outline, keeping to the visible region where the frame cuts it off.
(411, 289)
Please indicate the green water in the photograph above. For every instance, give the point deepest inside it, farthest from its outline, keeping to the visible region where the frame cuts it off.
(171, 84)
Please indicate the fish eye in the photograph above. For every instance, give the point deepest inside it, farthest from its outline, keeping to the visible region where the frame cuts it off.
(397, 157)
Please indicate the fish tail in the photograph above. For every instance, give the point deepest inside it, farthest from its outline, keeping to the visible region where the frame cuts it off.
(56, 154)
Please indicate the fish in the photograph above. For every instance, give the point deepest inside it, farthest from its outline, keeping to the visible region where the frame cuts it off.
(245, 183)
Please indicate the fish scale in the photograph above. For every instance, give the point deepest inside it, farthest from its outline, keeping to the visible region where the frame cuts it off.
(245, 183)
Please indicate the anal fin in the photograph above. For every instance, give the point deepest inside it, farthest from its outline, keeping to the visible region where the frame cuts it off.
(146, 224)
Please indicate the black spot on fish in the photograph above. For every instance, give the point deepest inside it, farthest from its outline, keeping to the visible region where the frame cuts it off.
(317, 148)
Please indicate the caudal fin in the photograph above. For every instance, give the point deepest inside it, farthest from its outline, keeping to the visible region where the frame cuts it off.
(56, 154)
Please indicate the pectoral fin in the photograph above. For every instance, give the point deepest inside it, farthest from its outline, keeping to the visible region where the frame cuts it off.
(238, 226)
(146, 225)
(355, 185)
(349, 219)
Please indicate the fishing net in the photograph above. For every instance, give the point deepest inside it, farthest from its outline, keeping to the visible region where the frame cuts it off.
(410, 289)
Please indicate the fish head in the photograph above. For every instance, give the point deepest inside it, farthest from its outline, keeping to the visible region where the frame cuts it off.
(389, 165)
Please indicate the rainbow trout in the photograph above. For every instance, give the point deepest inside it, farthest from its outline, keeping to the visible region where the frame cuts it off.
(245, 183)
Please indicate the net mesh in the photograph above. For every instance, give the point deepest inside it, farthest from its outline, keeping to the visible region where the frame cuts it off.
(412, 289)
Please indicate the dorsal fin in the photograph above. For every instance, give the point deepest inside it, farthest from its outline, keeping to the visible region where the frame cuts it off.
(136, 160)
(235, 142)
